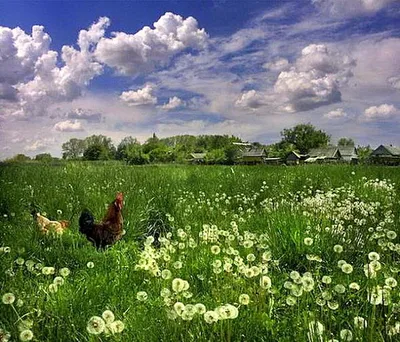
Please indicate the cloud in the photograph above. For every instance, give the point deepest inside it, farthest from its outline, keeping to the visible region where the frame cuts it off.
(84, 114)
(315, 78)
(277, 65)
(7, 92)
(68, 126)
(148, 49)
(347, 8)
(39, 145)
(173, 103)
(394, 82)
(336, 114)
(249, 100)
(139, 97)
(382, 112)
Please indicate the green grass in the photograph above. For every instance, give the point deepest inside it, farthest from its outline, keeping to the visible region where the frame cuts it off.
(257, 216)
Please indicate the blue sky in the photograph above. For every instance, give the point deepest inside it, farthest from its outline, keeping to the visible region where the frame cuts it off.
(248, 68)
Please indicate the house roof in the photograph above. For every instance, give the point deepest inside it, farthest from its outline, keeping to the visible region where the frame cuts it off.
(198, 155)
(254, 152)
(348, 151)
(395, 151)
(328, 152)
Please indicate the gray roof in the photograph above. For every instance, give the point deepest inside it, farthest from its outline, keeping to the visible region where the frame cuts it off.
(254, 152)
(328, 152)
(198, 155)
(348, 151)
(395, 151)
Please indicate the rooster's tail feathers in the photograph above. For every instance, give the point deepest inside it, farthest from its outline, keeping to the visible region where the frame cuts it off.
(86, 222)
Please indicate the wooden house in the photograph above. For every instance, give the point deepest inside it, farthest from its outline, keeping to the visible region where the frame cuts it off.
(253, 156)
(349, 154)
(386, 154)
(197, 158)
(324, 155)
(295, 158)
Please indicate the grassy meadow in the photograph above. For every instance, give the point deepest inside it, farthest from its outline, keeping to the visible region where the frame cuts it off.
(247, 254)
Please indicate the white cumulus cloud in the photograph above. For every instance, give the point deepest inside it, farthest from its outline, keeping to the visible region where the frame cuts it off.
(250, 100)
(336, 114)
(382, 112)
(277, 65)
(139, 97)
(315, 78)
(174, 103)
(149, 48)
(68, 126)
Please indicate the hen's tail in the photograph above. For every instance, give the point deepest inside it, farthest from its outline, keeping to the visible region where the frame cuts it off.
(86, 222)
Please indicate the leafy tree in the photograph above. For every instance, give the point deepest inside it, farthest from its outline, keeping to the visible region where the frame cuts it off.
(364, 153)
(44, 157)
(161, 154)
(305, 137)
(18, 158)
(346, 142)
(73, 149)
(99, 147)
(216, 156)
(232, 154)
(126, 144)
(152, 143)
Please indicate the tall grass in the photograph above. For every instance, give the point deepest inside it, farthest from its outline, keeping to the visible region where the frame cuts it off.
(226, 231)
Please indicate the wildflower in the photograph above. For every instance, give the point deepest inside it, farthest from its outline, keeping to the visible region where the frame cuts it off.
(297, 291)
(4, 336)
(333, 305)
(320, 301)
(340, 263)
(339, 288)
(326, 279)
(294, 275)
(376, 265)
(118, 326)
(90, 264)
(373, 256)
(211, 317)
(200, 308)
(308, 241)
(178, 265)
(53, 288)
(96, 325)
(248, 243)
(166, 274)
(316, 327)
(265, 282)
(360, 322)
(346, 335)
(58, 281)
(8, 298)
(48, 270)
(19, 261)
(347, 268)
(354, 286)
(108, 316)
(20, 302)
(313, 257)
(391, 235)
(215, 249)
(65, 272)
(26, 335)
(308, 283)
(179, 308)
(142, 296)
(288, 285)
(391, 282)
(244, 299)
(179, 285)
(227, 311)
(375, 297)
(251, 257)
(291, 300)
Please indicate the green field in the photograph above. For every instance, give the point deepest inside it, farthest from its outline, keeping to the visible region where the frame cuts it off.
(248, 254)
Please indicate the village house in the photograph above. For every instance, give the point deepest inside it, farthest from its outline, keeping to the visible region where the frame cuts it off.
(295, 158)
(197, 158)
(349, 154)
(324, 155)
(253, 155)
(386, 154)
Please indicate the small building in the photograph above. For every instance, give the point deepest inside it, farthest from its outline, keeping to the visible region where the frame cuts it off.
(349, 154)
(295, 158)
(197, 158)
(253, 156)
(324, 155)
(386, 154)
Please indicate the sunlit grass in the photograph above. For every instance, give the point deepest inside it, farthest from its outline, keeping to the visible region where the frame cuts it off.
(245, 254)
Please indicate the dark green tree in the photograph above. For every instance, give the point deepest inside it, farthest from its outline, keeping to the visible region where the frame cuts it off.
(346, 142)
(305, 137)
(126, 144)
(44, 157)
(73, 149)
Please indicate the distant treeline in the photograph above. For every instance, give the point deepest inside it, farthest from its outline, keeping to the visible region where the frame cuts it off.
(218, 149)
